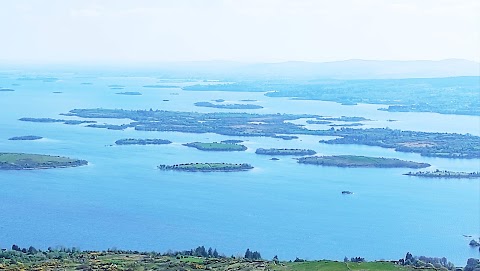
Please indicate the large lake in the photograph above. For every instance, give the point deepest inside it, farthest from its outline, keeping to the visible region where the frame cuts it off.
(280, 208)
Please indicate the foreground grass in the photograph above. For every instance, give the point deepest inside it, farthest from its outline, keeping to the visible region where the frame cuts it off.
(147, 261)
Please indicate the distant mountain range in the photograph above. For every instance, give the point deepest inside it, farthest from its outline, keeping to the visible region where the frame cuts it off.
(347, 69)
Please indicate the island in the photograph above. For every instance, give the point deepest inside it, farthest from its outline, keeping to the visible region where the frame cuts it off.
(28, 137)
(219, 100)
(346, 119)
(446, 145)
(50, 120)
(148, 141)
(76, 122)
(297, 152)
(444, 174)
(285, 137)
(24, 161)
(216, 146)
(131, 93)
(347, 124)
(360, 161)
(207, 167)
(57, 92)
(116, 86)
(345, 192)
(228, 106)
(232, 141)
(318, 122)
(6, 90)
(46, 120)
(159, 86)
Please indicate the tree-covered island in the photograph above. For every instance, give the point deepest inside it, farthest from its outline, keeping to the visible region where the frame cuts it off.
(148, 141)
(216, 146)
(130, 93)
(446, 145)
(297, 152)
(228, 106)
(23, 161)
(444, 174)
(360, 161)
(207, 167)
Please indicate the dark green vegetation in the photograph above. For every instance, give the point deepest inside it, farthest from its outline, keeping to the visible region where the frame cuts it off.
(444, 174)
(20, 161)
(228, 106)
(345, 119)
(50, 120)
(276, 125)
(148, 141)
(452, 95)
(297, 152)
(360, 161)
(131, 93)
(202, 259)
(426, 144)
(215, 146)
(207, 167)
(28, 137)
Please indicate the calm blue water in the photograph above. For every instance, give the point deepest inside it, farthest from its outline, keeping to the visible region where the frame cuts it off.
(280, 208)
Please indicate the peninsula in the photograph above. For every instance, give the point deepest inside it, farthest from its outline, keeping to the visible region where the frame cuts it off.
(360, 161)
(216, 146)
(24, 161)
(228, 106)
(444, 174)
(207, 167)
(148, 141)
(298, 152)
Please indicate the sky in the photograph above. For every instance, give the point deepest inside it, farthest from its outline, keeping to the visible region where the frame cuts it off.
(151, 31)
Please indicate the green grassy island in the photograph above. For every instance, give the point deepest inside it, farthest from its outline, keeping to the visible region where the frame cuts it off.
(444, 174)
(360, 161)
(23, 161)
(228, 106)
(298, 152)
(28, 137)
(148, 141)
(215, 146)
(6, 89)
(207, 167)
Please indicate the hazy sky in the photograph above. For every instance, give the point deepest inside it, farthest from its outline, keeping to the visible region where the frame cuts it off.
(106, 31)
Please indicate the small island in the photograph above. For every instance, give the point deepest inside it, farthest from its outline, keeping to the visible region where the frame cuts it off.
(159, 86)
(76, 122)
(45, 120)
(219, 100)
(345, 192)
(24, 161)
(318, 122)
(232, 141)
(228, 106)
(28, 137)
(131, 93)
(285, 137)
(272, 151)
(216, 146)
(347, 124)
(444, 174)
(360, 161)
(207, 167)
(148, 141)
(6, 89)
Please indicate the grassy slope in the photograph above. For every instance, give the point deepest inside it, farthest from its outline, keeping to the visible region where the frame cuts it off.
(38, 158)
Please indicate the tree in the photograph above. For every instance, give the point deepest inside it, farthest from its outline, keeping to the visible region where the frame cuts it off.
(16, 248)
(215, 253)
(248, 254)
(210, 252)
